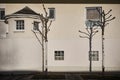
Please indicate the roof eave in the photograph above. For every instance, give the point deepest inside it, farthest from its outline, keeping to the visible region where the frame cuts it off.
(22, 16)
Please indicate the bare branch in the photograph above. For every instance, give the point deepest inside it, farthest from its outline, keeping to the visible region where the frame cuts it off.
(37, 38)
(99, 11)
(41, 33)
(110, 19)
(95, 28)
(84, 32)
(108, 12)
(94, 33)
(43, 26)
(49, 25)
(103, 13)
(45, 10)
(83, 37)
(99, 23)
(106, 24)
(88, 31)
(41, 16)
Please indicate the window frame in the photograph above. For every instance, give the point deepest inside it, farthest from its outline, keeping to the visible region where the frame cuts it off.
(35, 25)
(53, 17)
(98, 17)
(20, 24)
(2, 9)
(58, 55)
(95, 55)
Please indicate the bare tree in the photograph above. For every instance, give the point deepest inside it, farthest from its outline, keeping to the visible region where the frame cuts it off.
(46, 23)
(90, 32)
(105, 19)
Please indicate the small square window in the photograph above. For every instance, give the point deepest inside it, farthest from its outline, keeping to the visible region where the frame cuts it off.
(51, 13)
(95, 55)
(2, 13)
(19, 24)
(93, 14)
(59, 55)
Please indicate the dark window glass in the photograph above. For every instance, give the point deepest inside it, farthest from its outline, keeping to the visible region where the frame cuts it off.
(36, 26)
(95, 55)
(51, 13)
(19, 24)
(59, 55)
(2, 14)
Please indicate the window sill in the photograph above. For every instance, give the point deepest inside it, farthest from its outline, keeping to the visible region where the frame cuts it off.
(19, 31)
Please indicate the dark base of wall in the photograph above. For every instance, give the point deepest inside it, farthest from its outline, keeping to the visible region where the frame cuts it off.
(32, 75)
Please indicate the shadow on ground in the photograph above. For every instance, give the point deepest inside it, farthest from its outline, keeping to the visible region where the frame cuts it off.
(59, 76)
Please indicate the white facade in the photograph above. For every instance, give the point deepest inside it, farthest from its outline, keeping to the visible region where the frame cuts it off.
(22, 51)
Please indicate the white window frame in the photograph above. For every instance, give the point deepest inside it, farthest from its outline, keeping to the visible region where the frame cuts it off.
(59, 55)
(95, 55)
(20, 25)
(2, 9)
(50, 9)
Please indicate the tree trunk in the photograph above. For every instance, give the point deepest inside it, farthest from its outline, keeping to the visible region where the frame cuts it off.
(103, 68)
(90, 50)
(46, 51)
(43, 52)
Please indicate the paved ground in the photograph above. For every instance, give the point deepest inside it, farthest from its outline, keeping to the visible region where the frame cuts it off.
(60, 76)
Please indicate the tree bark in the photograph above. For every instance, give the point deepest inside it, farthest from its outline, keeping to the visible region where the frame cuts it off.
(90, 50)
(46, 61)
(103, 67)
(43, 51)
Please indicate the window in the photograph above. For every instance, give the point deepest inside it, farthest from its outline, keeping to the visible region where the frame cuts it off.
(19, 24)
(36, 26)
(2, 13)
(59, 55)
(95, 55)
(51, 13)
(92, 13)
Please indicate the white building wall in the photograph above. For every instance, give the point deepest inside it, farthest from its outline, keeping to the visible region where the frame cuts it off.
(64, 35)
(20, 50)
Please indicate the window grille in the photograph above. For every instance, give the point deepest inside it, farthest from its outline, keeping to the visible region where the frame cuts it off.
(19, 24)
(59, 55)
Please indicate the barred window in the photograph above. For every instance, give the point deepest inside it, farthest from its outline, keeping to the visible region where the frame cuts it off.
(2, 13)
(95, 55)
(19, 24)
(59, 55)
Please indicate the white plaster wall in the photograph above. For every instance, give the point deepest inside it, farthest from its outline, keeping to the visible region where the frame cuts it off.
(64, 36)
(20, 54)
(19, 50)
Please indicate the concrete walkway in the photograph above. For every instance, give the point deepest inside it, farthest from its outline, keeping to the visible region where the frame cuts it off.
(60, 76)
